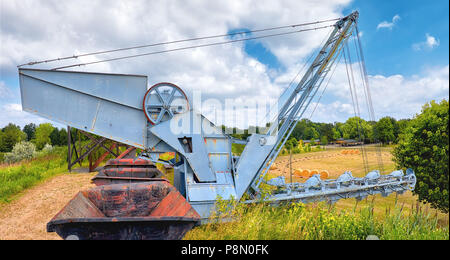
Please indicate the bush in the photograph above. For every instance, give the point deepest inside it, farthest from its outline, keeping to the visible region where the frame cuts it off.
(48, 148)
(424, 148)
(18, 177)
(307, 148)
(324, 140)
(21, 151)
(42, 134)
(9, 136)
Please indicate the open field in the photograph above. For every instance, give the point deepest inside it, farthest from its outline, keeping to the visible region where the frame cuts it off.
(337, 163)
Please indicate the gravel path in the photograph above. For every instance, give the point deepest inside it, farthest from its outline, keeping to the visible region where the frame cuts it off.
(26, 217)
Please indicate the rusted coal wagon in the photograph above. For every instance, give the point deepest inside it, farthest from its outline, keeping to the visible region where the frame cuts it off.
(147, 210)
(126, 171)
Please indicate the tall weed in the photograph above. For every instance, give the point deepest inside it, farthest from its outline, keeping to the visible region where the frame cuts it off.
(318, 221)
(18, 177)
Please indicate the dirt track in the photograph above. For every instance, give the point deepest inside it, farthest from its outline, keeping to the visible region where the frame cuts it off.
(27, 216)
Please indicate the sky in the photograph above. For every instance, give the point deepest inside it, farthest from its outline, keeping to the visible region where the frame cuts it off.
(405, 45)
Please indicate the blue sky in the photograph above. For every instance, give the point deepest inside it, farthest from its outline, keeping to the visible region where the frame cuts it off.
(417, 18)
(405, 45)
(390, 50)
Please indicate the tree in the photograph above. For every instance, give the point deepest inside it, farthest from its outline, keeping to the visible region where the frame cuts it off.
(357, 128)
(54, 137)
(2, 145)
(11, 135)
(396, 128)
(310, 133)
(324, 140)
(402, 125)
(338, 126)
(30, 130)
(43, 132)
(307, 130)
(326, 130)
(385, 130)
(424, 147)
(299, 129)
(291, 144)
(62, 136)
(336, 134)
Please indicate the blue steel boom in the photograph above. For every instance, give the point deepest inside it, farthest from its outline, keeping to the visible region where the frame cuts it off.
(121, 108)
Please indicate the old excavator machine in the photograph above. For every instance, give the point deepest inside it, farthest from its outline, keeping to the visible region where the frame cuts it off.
(131, 201)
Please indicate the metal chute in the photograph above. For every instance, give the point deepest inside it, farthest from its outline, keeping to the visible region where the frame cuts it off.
(97, 103)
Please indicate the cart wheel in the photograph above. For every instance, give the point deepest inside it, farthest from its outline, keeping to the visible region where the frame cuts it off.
(72, 237)
(162, 101)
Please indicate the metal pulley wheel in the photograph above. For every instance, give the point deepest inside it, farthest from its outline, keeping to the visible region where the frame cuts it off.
(162, 101)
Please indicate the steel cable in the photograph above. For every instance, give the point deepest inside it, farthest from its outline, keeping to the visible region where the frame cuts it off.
(365, 80)
(353, 93)
(191, 47)
(274, 106)
(177, 41)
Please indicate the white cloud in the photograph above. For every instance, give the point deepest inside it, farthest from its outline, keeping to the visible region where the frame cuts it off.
(403, 97)
(63, 28)
(336, 111)
(33, 30)
(429, 43)
(389, 25)
(396, 95)
(5, 92)
(12, 113)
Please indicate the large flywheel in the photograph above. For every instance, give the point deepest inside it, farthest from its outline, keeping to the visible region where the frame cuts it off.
(162, 101)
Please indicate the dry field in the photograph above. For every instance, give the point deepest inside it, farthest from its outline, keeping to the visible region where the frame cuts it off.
(336, 163)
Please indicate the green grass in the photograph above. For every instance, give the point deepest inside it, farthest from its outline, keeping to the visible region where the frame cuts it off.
(237, 149)
(18, 177)
(316, 222)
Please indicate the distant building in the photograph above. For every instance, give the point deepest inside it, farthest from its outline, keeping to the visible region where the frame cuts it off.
(348, 142)
(317, 141)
